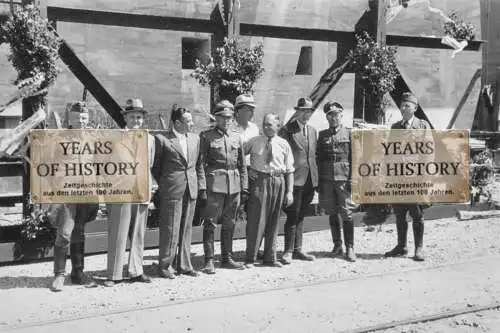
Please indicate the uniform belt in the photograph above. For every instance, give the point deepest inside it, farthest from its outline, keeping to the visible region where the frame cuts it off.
(271, 173)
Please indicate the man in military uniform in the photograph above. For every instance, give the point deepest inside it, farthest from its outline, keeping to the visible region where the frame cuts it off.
(222, 154)
(334, 163)
(70, 220)
(409, 105)
(302, 139)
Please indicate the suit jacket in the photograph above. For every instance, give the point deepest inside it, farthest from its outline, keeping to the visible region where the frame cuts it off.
(304, 152)
(176, 174)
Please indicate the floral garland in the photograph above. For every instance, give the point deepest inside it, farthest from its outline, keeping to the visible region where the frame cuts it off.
(235, 68)
(376, 64)
(459, 29)
(482, 177)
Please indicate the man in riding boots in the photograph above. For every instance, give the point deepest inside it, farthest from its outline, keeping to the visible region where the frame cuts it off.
(221, 150)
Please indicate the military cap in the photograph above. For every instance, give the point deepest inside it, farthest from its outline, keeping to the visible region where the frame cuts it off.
(334, 107)
(79, 107)
(409, 97)
(134, 105)
(244, 99)
(223, 108)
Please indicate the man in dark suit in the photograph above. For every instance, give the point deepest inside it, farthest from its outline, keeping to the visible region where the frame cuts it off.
(227, 184)
(181, 179)
(302, 139)
(408, 107)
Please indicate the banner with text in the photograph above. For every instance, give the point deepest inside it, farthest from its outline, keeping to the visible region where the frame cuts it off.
(410, 166)
(89, 166)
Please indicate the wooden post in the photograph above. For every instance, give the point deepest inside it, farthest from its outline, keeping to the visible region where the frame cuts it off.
(373, 22)
(217, 16)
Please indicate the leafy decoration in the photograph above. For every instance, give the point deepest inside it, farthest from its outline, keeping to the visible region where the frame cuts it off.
(482, 174)
(458, 28)
(234, 70)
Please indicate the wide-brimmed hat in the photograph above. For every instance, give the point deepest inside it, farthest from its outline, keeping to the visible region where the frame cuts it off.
(223, 108)
(333, 107)
(409, 97)
(134, 105)
(244, 99)
(79, 107)
(304, 103)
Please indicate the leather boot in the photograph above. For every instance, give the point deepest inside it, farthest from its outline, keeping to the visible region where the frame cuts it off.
(348, 228)
(418, 235)
(60, 254)
(335, 229)
(227, 249)
(208, 248)
(400, 249)
(77, 253)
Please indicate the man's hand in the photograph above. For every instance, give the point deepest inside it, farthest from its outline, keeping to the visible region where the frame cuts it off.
(202, 198)
(288, 199)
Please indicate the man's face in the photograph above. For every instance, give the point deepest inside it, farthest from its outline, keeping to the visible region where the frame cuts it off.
(304, 115)
(134, 120)
(223, 122)
(407, 110)
(244, 114)
(334, 119)
(185, 124)
(270, 125)
(78, 120)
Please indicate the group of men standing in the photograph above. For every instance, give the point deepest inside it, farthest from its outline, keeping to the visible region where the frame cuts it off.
(224, 169)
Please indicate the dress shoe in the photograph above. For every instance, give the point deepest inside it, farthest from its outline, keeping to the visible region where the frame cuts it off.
(231, 264)
(275, 264)
(166, 273)
(58, 283)
(111, 283)
(398, 251)
(287, 258)
(419, 256)
(337, 251)
(303, 256)
(191, 273)
(209, 267)
(141, 278)
(350, 255)
(249, 265)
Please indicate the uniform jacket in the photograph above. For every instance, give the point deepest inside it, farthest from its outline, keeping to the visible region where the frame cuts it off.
(334, 154)
(175, 173)
(224, 161)
(416, 124)
(304, 152)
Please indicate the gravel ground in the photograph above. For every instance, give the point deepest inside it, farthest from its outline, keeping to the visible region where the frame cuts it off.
(487, 321)
(27, 299)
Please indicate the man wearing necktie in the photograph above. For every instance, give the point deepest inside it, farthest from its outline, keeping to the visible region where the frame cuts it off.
(409, 104)
(271, 187)
(127, 220)
(302, 139)
(334, 165)
(227, 184)
(181, 181)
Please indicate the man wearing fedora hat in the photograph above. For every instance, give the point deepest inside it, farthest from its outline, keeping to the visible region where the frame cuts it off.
(334, 165)
(70, 219)
(126, 220)
(409, 105)
(222, 154)
(302, 139)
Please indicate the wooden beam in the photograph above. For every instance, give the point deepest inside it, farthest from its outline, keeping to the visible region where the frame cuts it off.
(82, 73)
(465, 97)
(427, 42)
(107, 18)
(232, 15)
(217, 17)
(328, 80)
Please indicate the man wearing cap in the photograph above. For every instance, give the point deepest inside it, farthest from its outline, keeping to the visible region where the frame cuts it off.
(126, 220)
(334, 165)
(70, 219)
(302, 138)
(181, 179)
(409, 105)
(271, 189)
(222, 154)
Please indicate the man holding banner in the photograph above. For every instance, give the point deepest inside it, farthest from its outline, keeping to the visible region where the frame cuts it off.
(408, 107)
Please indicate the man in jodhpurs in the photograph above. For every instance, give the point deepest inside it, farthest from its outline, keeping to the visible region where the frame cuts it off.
(221, 151)
(70, 220)
(334, 163)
